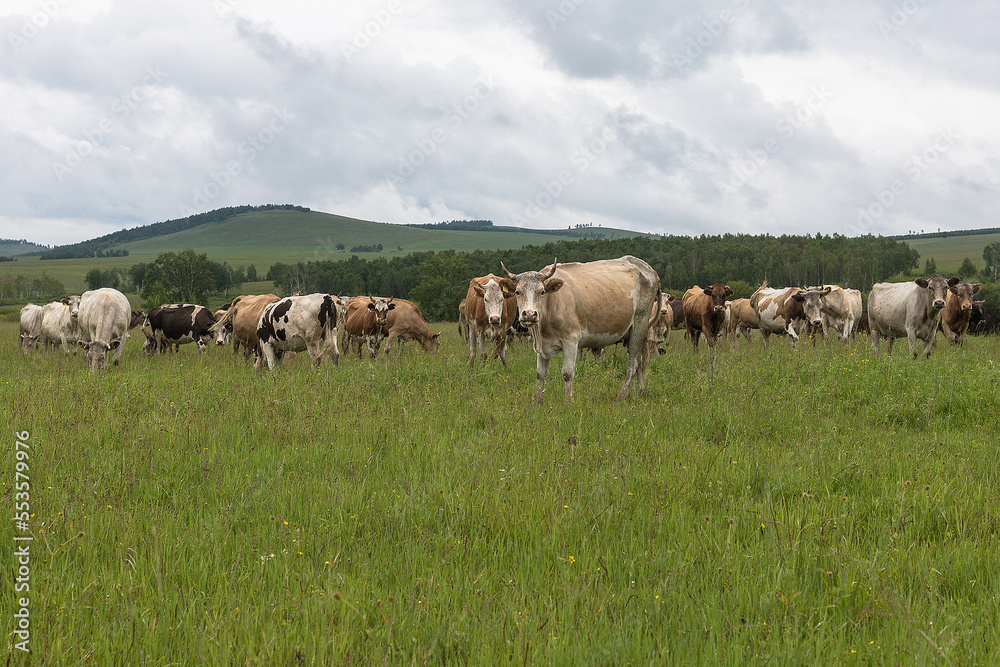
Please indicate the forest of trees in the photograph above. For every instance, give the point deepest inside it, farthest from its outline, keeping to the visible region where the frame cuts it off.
(438, 281)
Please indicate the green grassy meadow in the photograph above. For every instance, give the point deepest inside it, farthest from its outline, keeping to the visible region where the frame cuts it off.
(825, 506)
(949, 252)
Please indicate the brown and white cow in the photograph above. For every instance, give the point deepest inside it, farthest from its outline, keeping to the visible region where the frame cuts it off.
(31, 326)
(60, 325)
(957, 313)
(705, 312)
(588, 305)
(104, 316)
(490, 310)
(742, 318)
(243, 316)
(779, 311)
(911, 309)
(365, 322)
(298, 323)
(177, 324)
(405, 323)
(224, 334)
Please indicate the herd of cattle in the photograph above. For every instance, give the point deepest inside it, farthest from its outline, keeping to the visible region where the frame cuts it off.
(566, 308)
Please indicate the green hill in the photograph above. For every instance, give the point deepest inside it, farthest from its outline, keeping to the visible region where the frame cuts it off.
(288, 235)
(949, 249)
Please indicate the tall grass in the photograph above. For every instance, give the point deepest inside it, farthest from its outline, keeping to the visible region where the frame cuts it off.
(819, 506)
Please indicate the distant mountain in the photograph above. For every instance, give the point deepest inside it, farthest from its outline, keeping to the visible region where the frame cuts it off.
(13, 247)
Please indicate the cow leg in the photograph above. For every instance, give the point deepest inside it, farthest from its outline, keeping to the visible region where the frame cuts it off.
(502, 347)
(118, 353)
(472, 347)
(541, 369)
(393, 335)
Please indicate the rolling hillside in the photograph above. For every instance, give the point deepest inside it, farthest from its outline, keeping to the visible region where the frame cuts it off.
(948, 252)
(264, 237)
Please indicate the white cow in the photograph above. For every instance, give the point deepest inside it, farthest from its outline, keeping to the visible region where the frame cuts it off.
(911, 309)
(31, 326)
(104, 317)
(59, 323)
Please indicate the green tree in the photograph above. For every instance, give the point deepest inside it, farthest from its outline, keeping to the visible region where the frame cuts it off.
(444, 282)
(968, 269)
(137, 274)
(183, 277)
(930, 267)
(991, 255)
(251, 274)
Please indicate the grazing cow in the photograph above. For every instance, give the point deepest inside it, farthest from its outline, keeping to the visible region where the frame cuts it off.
(177, 324)
(957, 313)
(911, 309)
(981, 322)
(365, 322)
(863, 326)
(779, 311)
(663, 320)
(60, 325)
(243, 316)
(588, 305)
(742, 318)
(405, 322)
(705, 312)
(104, 316)
(490, 310)
(298, 323)
(224, 334)
(31, 326)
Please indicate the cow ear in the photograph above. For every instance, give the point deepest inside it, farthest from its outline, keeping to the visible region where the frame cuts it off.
(552, 284)
(65, 301)
(954, 280)
(975, 288)
(921, 281)
(391, 306)
(670, 297)
(435, 335)
(114, 345)
(371, 306)
(729, 292)
(827, 290)
(508, 287)
(707, 291)
(477, 288)
(799, 296)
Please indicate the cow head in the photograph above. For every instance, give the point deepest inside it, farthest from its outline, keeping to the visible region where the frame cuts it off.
(938, 288)
(718, 293)
(381, 308)
(493, 294)
(978, 312)
(138, 317)
(665, 300)
(812, 304)
(97, 353)
(74, 304)
(530, 289)
(964, 293)
(431, 343)
(149, 347)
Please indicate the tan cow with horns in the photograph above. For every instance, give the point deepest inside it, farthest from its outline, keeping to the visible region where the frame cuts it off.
(592, 305)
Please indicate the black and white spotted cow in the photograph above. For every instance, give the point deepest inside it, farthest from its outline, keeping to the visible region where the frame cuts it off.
(176, 324)
(298, 323)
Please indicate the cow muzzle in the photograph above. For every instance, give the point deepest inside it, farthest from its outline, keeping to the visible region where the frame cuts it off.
(816, 323)
(495, 320)
(939, 303)
(529, 317)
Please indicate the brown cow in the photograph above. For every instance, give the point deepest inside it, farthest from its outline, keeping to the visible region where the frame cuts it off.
(365, 320)
(742, 318)
(957, 313)
(405, 322)
(244, 314)
(490, 310)
(705, 312)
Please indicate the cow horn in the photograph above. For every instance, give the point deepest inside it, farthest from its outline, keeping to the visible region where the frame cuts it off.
(506, 272)
(390, 300)
(555, 263)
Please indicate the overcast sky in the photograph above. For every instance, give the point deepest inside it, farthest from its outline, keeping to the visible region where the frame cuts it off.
(680, 117)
